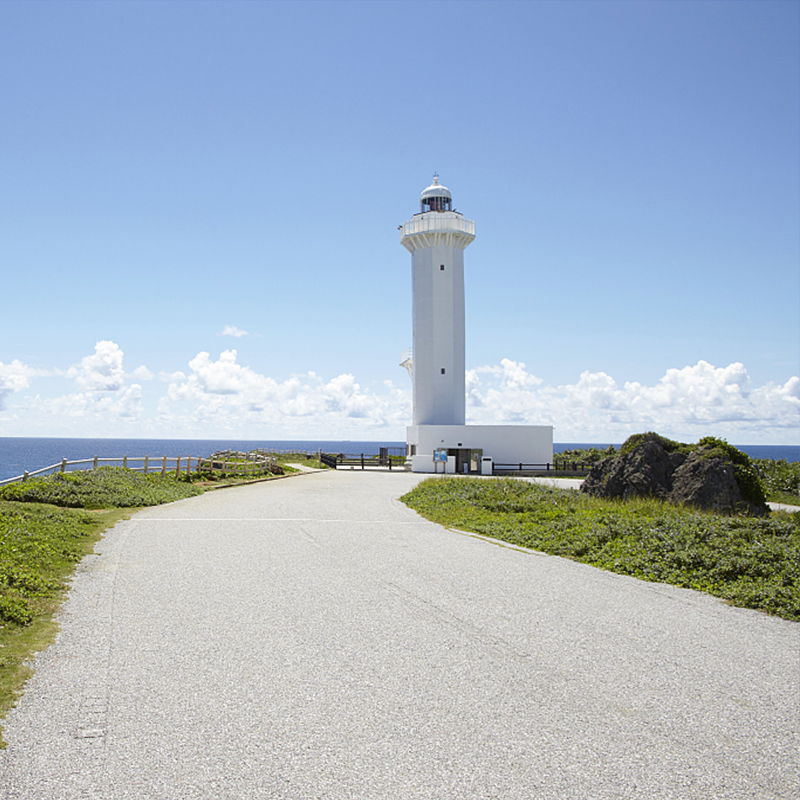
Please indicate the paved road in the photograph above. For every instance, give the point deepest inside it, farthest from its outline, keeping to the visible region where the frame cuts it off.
(314, 638)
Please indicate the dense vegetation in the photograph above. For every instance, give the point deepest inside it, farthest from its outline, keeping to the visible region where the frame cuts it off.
(750, 562)
(586, 455)
(107, 487)
(780, 479)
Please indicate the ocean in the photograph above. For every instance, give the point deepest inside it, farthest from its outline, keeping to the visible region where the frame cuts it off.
(18, 454)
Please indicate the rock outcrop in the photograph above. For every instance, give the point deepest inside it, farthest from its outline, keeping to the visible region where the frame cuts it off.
(656, 467)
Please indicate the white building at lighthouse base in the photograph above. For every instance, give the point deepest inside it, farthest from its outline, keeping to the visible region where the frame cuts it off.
(477, 448)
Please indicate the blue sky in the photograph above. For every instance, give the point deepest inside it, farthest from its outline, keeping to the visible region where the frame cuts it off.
(182, 180)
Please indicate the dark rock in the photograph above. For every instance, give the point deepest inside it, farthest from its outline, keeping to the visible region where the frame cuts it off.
(650, 470)
(706, 483)
(644, 472)
(710, 483)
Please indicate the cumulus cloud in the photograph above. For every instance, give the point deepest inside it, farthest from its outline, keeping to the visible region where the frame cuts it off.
(227, 395)
(218, 397)
(100, 411)
(15, 377)
(142, 373)
(100, 372)
(688, 402)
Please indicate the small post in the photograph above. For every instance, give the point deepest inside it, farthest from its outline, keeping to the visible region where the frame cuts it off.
(94, 466)
(177, 466)
(146, 461)
(362, 461)
(63, 464)
(163, 466)
(124, 462)
(25, 476)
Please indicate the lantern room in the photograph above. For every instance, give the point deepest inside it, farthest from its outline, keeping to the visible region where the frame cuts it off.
(436, 197)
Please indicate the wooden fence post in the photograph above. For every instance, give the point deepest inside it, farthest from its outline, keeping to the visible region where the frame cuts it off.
(146, 461)
(63, 464)
(94, 466)
(124, 462)
(177, 466)
(25, 476)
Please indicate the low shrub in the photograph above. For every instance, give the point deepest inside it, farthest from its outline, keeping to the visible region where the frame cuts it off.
(750, 562)
(107, 487)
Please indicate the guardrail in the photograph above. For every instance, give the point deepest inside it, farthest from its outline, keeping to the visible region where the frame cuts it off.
(384, 459)
(224, 463)
(570, 468)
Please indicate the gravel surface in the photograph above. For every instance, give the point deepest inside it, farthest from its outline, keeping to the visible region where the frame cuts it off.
(315, 638)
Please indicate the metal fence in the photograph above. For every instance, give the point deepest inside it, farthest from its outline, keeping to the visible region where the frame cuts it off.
(562, 468)
(388, 458)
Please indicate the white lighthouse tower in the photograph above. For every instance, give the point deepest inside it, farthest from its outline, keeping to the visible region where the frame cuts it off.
(436, 237)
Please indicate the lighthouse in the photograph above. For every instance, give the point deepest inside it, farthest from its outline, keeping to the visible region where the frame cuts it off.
(439, 437)
(436, 237)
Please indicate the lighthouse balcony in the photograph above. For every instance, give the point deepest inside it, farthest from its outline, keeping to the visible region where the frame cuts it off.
(432, 222)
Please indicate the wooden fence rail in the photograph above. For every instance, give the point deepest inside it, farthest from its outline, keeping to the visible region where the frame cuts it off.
(223, 463)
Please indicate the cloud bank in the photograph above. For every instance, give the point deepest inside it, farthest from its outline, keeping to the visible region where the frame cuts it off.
(222, 398)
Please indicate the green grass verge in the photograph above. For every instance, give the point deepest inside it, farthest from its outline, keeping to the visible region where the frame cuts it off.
(780, 479)
(40, 545)
(107, 487)
(749, 562)
(43, 536)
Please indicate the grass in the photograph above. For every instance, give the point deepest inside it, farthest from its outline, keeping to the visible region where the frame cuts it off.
(780, 479)
(284, 459)
(40, 545)
(46, 528)
(749, 562)
(107, 487)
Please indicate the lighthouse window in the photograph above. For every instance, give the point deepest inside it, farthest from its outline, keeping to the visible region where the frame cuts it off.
(442, 370)
(441, 267)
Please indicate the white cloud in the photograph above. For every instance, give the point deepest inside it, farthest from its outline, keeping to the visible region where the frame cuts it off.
(220, 397)
(142, 374)
(686, 403)
(15, 377)
(100, 372)
(232, 330)
(223, 396)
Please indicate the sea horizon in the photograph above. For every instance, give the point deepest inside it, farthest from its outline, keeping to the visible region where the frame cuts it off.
(19, 454)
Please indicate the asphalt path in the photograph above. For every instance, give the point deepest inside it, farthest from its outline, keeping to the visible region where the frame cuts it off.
(315, 638)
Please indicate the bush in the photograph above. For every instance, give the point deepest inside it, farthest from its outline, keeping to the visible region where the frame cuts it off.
(780, 479)
(744, 470)
(107, 487)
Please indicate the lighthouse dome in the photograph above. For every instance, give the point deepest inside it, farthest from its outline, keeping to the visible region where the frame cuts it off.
(436, 190)
(436, 197)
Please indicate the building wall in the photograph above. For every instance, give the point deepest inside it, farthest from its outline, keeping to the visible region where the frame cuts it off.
(504, 444)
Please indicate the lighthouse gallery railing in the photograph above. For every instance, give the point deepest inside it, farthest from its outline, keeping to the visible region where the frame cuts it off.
(435, 222)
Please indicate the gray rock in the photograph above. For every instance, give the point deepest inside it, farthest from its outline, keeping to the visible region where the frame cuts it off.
(649, 470)
(710, 483)
(644, 472)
